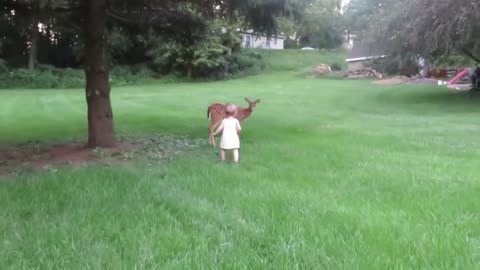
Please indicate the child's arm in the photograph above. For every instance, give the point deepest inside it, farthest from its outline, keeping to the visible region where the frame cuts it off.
(238, 127)
(219, 129)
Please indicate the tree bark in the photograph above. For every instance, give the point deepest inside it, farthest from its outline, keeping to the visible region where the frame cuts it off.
(189, 71)
(32, 59)
(100, 117)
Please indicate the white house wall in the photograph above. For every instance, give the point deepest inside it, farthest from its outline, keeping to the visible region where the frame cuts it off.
(262, 42)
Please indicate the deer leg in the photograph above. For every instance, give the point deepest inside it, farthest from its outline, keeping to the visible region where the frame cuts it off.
(211, 139)
(210, 135)
(211, 127)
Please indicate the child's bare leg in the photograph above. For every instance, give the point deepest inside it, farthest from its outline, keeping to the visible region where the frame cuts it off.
(235, 155)
(222, 155)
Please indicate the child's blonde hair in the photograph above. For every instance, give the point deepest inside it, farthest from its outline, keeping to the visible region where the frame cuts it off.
(230, 109)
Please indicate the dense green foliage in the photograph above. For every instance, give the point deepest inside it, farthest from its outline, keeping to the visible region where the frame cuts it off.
(408, 29)
(396, 65)
(60, 44)
(358, 15)
(240, 63)
(321, 26)
(429, 28)
(215, 54)
(333, 175)
(50, 77)
(454, 60)
(58, 38)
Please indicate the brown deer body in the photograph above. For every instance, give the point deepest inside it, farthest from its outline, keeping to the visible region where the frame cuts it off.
(216, 113)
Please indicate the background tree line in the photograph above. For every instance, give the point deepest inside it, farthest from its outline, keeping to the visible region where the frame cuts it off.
(202, 42)
(446, 32)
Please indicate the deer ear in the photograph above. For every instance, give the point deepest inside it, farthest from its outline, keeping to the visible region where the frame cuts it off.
(247, 100)
(257, 101)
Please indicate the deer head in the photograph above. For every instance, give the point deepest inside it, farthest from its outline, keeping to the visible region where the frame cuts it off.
(252, 104)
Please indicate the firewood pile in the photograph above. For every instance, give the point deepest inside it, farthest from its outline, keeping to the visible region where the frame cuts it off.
(363, 73)
(323, 69)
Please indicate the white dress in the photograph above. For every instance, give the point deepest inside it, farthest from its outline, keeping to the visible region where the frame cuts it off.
(230, 138)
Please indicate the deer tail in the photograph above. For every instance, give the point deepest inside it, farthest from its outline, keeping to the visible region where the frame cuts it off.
(208, 112)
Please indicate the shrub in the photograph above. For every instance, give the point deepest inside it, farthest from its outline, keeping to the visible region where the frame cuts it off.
(208, 60)
(453, 60)
(3, 66)
(28, 79)
(71, 78)
(243, 63)
(336, 67)
(46, 77)
(126, 75)
(194, 60)
(396, 66)
(210, 55)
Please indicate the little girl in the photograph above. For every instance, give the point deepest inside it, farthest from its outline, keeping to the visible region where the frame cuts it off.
(230, 127)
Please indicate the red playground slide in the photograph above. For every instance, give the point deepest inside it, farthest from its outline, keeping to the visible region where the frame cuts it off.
(459, 76)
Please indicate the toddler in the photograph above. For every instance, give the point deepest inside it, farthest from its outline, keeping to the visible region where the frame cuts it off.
(230, 127)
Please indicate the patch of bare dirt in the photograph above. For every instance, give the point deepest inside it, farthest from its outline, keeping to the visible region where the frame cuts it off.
(424, 81)
(391, 81)
(406, 80)
(44, 157)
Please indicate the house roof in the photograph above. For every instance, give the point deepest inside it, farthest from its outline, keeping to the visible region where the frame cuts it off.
(250, 32)
(362, 51)
(365, 58)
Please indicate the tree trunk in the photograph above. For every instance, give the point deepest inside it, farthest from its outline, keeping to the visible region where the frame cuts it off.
(32, 59)
(229, 46)
(100, 117)
(189, 71)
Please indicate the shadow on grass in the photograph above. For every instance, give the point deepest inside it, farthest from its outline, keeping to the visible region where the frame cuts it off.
(446, 98)
(192, 127)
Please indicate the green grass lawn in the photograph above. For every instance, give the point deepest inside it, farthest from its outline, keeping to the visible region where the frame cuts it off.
(333, 175)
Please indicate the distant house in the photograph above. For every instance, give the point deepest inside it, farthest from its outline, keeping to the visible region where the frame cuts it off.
(348, 41)
(361, 54)
(255, 40)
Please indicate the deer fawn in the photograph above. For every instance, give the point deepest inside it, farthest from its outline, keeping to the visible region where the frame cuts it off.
(216, 112)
